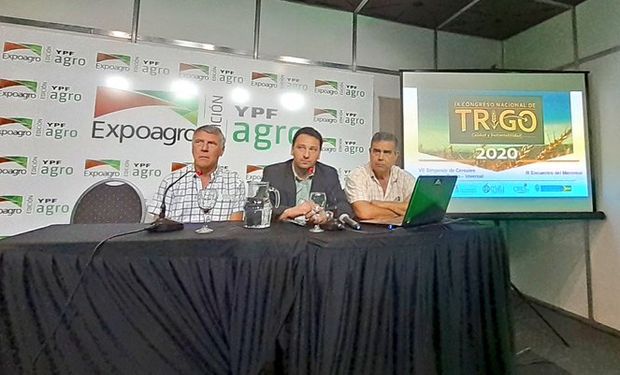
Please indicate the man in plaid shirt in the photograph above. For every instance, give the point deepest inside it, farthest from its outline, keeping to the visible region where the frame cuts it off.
(380, 189)
(208, 146)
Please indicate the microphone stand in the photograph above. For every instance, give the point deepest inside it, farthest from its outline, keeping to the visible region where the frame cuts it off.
(161, 224)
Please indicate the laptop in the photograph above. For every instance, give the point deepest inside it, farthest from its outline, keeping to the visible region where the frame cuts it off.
(428, 204)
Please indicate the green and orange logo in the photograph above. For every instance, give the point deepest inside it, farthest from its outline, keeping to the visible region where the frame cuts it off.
(11, 205)
(102, 168)
(325, 115)
(15, 126)
(24, 52)
(110, 100)
(14, 83)
(261, 79)
(330, 145)
(13, 165)
(110, 57)
(325, 87)
(254, 172)
(194, 71)
(12, 200)
(22, 121)
(175, 166)
(113, 61)
(111, 163)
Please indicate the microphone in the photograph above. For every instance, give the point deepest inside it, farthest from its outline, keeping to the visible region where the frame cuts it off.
(346, 219)
(162, 224)
(332, 225)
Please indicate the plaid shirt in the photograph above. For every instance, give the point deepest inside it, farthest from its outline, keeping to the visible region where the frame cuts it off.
(182, 198)
(362, 185)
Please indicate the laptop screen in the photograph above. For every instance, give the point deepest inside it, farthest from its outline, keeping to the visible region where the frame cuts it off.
(429, 200)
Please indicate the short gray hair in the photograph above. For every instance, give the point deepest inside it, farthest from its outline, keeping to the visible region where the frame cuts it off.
(213, 129)
(384, 136)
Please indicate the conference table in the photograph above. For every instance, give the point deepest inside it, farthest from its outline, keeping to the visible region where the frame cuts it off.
(282, 300)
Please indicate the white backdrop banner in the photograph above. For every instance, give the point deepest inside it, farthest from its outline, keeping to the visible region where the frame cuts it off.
(77, 109)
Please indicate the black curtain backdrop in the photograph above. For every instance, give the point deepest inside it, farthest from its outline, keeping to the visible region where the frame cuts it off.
(239, 301)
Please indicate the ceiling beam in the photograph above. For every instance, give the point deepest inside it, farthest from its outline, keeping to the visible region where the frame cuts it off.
(458, 13)
(360, 6)
(555, 3)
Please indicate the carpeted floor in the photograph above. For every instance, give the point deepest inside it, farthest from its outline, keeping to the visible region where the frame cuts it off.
(591, 350)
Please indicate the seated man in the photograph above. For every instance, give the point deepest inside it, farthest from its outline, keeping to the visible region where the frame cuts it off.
(380, 189)
(208, 146)
(298, 177)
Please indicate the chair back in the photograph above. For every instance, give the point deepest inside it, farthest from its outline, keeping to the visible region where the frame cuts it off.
(109, 201)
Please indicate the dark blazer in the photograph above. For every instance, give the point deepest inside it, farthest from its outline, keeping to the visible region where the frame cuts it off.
(280, 176)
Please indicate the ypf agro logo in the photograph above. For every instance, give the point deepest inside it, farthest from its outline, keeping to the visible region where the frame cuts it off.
(102, 168)
(68, 58)
(268, 80)
(56, 130)
(113, 62)
(50, 167)
(293, 83)
(46, 206)
(15, 127)
(325, 87)
(18, 89)
(13, 165)
(141, 169)
(153, 68)
(341, 146)
(11, 205)
(226, 76)
(60, 93)
(197, 72)
(325, 116)
(110, 100)
(254, 172)
(22, 52)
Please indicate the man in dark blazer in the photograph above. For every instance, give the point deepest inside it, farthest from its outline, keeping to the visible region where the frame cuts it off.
(297, 177)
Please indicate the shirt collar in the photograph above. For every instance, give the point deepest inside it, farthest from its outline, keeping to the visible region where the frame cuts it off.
(309, 176)
(198, 173)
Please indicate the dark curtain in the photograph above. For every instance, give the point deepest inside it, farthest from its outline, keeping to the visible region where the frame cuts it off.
(282, 300)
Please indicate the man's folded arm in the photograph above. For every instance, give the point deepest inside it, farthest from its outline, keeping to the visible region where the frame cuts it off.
(365, 210)
(398, 208)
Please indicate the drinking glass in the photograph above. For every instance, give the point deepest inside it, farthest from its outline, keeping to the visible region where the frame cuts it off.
(319, 199)
(206, 201)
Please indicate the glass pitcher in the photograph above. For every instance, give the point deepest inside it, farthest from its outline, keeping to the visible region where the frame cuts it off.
(257, 209)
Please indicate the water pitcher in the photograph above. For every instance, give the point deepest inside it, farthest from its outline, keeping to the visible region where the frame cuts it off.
(257, 209)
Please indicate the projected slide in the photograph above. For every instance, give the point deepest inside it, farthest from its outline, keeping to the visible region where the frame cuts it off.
(517, 141)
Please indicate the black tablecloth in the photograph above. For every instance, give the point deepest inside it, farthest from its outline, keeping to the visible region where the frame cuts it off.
(240, 301)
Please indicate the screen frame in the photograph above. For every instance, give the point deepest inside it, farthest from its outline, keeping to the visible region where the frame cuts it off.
(594, 214)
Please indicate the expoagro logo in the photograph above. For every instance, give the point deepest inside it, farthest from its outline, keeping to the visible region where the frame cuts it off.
(23, 52)
(110, 100)
(329, 145)
(254, 172)
(15, 126)
(21, 89)
(13, 165)
(325, 115)
(102, 168)
(325, 87)
(268, 80)
(113, 61)
(198, 72)
(176, 165)
(11, 204)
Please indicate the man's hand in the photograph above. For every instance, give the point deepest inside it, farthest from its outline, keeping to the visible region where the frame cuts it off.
(317, 216)
(299, 210)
